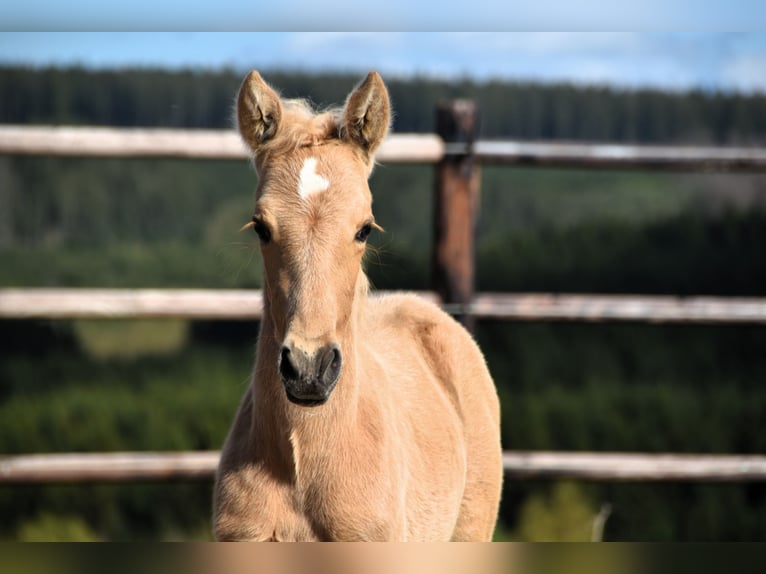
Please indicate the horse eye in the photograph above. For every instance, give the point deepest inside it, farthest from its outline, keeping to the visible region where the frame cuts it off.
(363, 233)
(261, 230)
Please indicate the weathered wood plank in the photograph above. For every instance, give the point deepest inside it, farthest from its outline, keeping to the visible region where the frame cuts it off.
(120, 142)
(178, 143)
(456, 200)
(410, 148)
(160, 466)
(36, 303)
(398, 148)
(84, 303)
(130, 303)
(613, 156)
(108, 467)
(590, 307)
(634, 467)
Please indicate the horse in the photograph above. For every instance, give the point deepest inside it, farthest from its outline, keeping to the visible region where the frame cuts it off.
(368, 417)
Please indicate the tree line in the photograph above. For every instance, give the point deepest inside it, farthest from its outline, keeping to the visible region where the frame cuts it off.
(204, 99)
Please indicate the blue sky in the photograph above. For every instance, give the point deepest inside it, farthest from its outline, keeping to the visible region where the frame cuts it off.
(391, 15)
(673, 60)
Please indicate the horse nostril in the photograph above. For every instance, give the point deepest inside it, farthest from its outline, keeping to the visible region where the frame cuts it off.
(330, 364)
(287, 368)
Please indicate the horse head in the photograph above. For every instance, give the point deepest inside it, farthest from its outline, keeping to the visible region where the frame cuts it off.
(313, 215)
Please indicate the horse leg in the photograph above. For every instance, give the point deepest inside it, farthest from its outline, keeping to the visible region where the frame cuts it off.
(481, 497)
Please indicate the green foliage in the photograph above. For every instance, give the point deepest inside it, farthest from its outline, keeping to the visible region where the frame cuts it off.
(69, 403)
(105, 339)
(52, 528)
(563, 515)
(688, 254)
(142, 397)
(132, 265)
(81, 202)
(526, 199)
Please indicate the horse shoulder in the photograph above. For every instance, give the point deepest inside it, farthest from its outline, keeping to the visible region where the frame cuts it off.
(458, 365)
(446, 348)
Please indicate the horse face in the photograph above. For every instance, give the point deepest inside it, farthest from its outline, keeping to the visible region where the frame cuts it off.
(313, 215)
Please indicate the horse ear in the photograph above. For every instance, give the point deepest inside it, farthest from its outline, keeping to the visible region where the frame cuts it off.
(258, 111)
(367, 114)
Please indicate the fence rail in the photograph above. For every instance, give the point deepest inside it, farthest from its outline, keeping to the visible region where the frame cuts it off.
(108, 467)
(174, 466)
(398, 148)
(610, 156)
(177, 143)
(247, 305)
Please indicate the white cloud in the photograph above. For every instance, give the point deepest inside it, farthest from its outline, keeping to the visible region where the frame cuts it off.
(547, 43)
(300, 42)
(746, 73)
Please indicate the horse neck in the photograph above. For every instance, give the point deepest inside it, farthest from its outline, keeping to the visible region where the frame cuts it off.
(275, 416)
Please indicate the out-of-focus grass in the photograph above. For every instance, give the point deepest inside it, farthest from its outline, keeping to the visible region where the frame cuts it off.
(118, 339)
(47, 527)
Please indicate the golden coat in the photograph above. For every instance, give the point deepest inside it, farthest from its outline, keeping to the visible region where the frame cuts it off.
(407, 446)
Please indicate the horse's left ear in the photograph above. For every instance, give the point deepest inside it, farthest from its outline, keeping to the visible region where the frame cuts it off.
(367, 114)
(259, 111)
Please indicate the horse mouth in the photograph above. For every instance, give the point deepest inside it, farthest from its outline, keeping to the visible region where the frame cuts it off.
(306, 401)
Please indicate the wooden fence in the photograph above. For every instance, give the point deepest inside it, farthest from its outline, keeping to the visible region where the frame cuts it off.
(232, 304)
(458, 158)
(168, 466)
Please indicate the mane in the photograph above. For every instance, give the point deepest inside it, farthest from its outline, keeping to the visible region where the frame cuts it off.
(302, 126)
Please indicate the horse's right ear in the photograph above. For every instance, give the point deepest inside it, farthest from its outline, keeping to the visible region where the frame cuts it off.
(367, 114)
(259, 111)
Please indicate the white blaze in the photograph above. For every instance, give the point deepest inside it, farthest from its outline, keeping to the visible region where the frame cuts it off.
(310, 181)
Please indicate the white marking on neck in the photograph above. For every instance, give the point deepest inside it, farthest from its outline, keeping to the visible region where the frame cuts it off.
(310, 181)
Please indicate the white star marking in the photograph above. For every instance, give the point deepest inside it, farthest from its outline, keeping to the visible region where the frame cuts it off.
(310, 181)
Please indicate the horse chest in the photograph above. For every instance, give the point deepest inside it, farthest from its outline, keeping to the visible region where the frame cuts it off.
(349, 503)
(320, 506)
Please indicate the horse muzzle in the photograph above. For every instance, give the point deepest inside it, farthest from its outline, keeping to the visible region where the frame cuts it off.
(309, 379)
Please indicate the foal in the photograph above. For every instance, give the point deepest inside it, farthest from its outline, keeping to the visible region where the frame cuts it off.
(367, 418)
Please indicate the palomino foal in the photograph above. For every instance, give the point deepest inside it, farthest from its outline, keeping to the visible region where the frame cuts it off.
(367, 418)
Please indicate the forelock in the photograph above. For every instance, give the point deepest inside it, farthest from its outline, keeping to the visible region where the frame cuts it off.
(301, 127)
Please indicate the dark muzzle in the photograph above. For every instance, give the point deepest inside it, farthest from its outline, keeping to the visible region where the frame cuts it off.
(309, 379)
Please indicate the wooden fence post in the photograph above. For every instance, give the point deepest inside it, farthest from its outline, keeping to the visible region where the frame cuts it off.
(455, 207)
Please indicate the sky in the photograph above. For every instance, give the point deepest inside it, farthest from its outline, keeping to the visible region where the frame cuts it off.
(391, 15)
(671, 60)
(666, 44)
